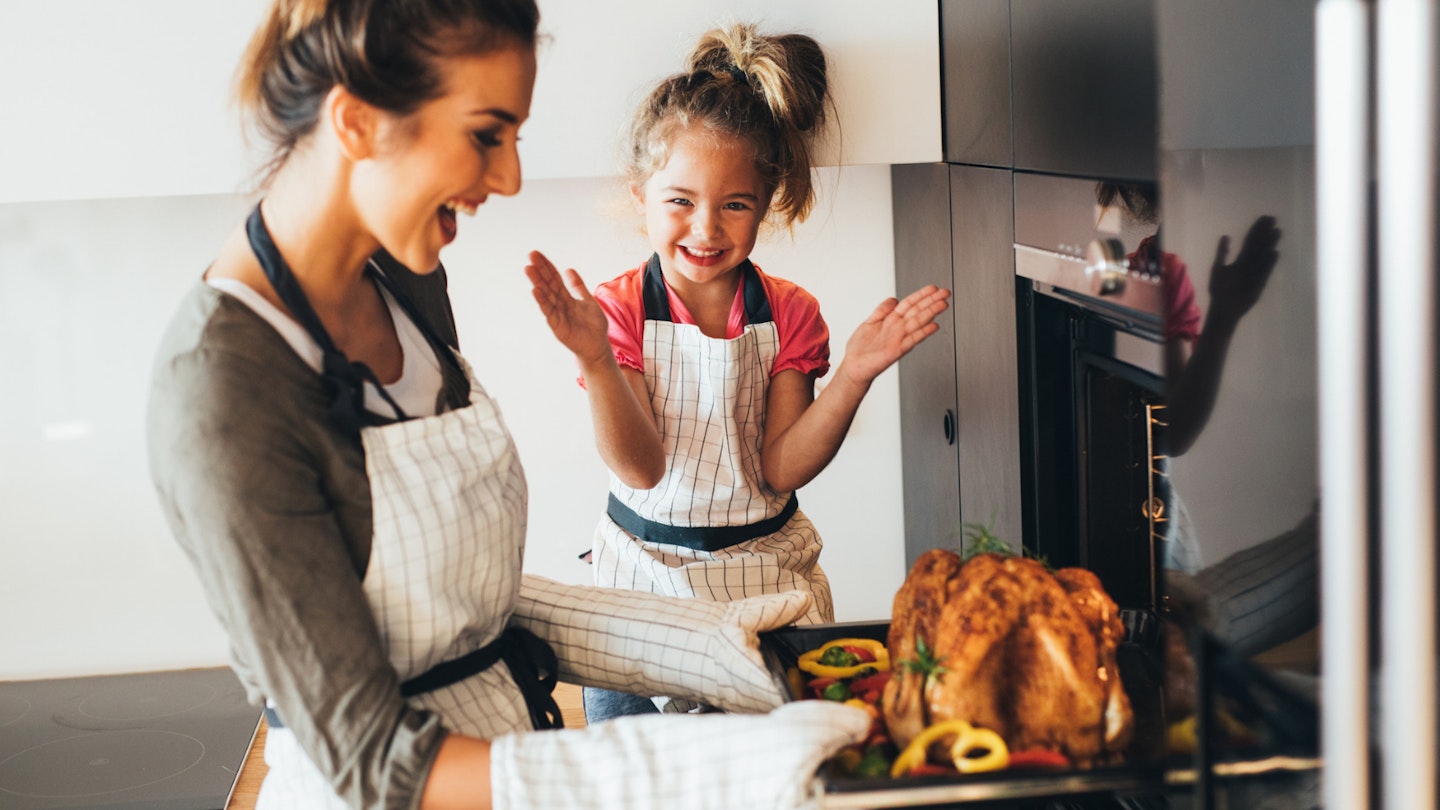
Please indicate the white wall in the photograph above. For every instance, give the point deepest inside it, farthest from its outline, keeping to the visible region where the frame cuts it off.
(105, 99)
(90, 581)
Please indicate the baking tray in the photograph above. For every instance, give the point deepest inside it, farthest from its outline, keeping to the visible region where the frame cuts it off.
(1147, 773)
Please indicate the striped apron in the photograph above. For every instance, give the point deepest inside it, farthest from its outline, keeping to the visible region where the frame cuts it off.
(711, 528)
(449, 504)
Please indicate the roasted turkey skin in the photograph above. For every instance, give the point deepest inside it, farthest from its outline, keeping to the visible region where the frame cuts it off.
(1019, 649)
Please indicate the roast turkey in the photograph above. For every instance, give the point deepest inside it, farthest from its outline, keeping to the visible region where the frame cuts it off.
(1000, 641)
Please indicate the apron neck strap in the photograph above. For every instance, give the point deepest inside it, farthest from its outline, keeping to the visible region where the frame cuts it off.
(344, 380)
(657, 296)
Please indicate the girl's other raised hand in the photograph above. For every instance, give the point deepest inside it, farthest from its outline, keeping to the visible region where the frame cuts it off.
(892, 330)
(574, 316)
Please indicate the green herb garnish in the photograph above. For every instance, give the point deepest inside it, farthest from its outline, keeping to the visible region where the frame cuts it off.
(925, 662)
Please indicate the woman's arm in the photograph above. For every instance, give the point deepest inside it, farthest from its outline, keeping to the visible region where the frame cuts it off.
(803, 435)
(625, 431)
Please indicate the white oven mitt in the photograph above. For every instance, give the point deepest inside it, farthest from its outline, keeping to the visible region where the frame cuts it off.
(647, 644)
(699, 762)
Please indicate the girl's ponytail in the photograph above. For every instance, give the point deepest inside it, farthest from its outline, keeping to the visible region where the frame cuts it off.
(772, 91)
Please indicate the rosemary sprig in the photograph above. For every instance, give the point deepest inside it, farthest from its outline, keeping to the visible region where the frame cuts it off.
(925, 663)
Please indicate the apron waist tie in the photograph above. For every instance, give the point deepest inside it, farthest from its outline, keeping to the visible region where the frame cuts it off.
(531, 661)
(700, 538)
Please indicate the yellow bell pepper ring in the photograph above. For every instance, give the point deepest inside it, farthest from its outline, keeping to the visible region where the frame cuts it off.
(810, 661)
(914, 754)
(796, 682)
(979, 750)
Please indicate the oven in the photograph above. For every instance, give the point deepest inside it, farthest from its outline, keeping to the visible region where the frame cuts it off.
(1090, 330)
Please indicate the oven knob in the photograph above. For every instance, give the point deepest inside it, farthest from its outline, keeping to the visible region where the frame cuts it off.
(1108, 268)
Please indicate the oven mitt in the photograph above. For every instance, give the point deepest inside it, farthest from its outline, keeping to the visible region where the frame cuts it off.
(701, 762)
(647, 644)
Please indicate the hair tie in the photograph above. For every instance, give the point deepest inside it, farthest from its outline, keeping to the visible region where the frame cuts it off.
(739, 75)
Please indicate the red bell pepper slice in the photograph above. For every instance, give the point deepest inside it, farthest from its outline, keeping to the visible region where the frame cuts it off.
(817, 686)
(870, 683)
(865, 656)
(1038, 758)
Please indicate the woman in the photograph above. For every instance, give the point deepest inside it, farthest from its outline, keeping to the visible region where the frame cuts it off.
(351, 498)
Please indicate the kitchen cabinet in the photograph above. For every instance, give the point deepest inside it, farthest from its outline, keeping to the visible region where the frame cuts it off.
(975, 52)
(928, 404)
(959, 405)
(1064, 88)
(982, 237)
(1084, 87)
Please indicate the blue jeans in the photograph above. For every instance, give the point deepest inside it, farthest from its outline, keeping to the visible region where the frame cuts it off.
(602, 704)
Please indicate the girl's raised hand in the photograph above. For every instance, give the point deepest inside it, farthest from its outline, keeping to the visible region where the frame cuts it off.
(892, 330)
(573, 314)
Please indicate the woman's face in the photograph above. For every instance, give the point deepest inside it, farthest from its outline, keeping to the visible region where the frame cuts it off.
(448, 156)
(703, 208)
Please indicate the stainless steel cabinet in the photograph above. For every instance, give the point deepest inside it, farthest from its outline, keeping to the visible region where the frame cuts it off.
(928, 407)
(1084, 79)
(958, 391)
(975, 52)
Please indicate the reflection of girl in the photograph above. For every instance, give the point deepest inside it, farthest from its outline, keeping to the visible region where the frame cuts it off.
(703, 395)
(351, 497)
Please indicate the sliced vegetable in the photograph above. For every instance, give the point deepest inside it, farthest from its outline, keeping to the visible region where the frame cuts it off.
(875, 762)
(838, 656)
(838, 691)
(1038, 758)
(915, 753)
(931, 769)
(849, 758)
(861, 654)
(870, 683)
(979, 750)
(817, 686)
(813, 661)
(796, 681)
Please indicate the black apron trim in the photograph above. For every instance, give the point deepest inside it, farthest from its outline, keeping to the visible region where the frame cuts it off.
(657, 297)
(344, 380)
(700, 538)
(457, 396)
(530, 659)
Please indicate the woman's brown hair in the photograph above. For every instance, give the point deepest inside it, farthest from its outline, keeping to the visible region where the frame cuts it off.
(383, 51)
(770, 91)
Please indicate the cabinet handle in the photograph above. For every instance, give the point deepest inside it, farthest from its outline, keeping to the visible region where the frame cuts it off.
(949, 426)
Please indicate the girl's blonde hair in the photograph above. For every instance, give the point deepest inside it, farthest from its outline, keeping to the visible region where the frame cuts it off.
(383, 51)
(769, 91)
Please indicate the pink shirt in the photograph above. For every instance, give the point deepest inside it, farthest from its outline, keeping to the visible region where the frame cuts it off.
(1182, 314)
(804, 337)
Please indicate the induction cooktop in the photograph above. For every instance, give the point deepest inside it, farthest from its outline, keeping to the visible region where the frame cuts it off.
(171, 740)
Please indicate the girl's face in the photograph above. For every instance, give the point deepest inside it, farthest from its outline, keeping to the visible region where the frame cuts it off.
(448, 156)
(703, 208)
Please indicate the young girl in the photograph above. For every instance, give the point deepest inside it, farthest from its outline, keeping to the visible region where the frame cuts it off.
(700, 367)
(350, 496)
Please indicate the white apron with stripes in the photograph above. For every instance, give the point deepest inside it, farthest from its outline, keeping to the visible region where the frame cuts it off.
(709, 395)
(449, 509)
